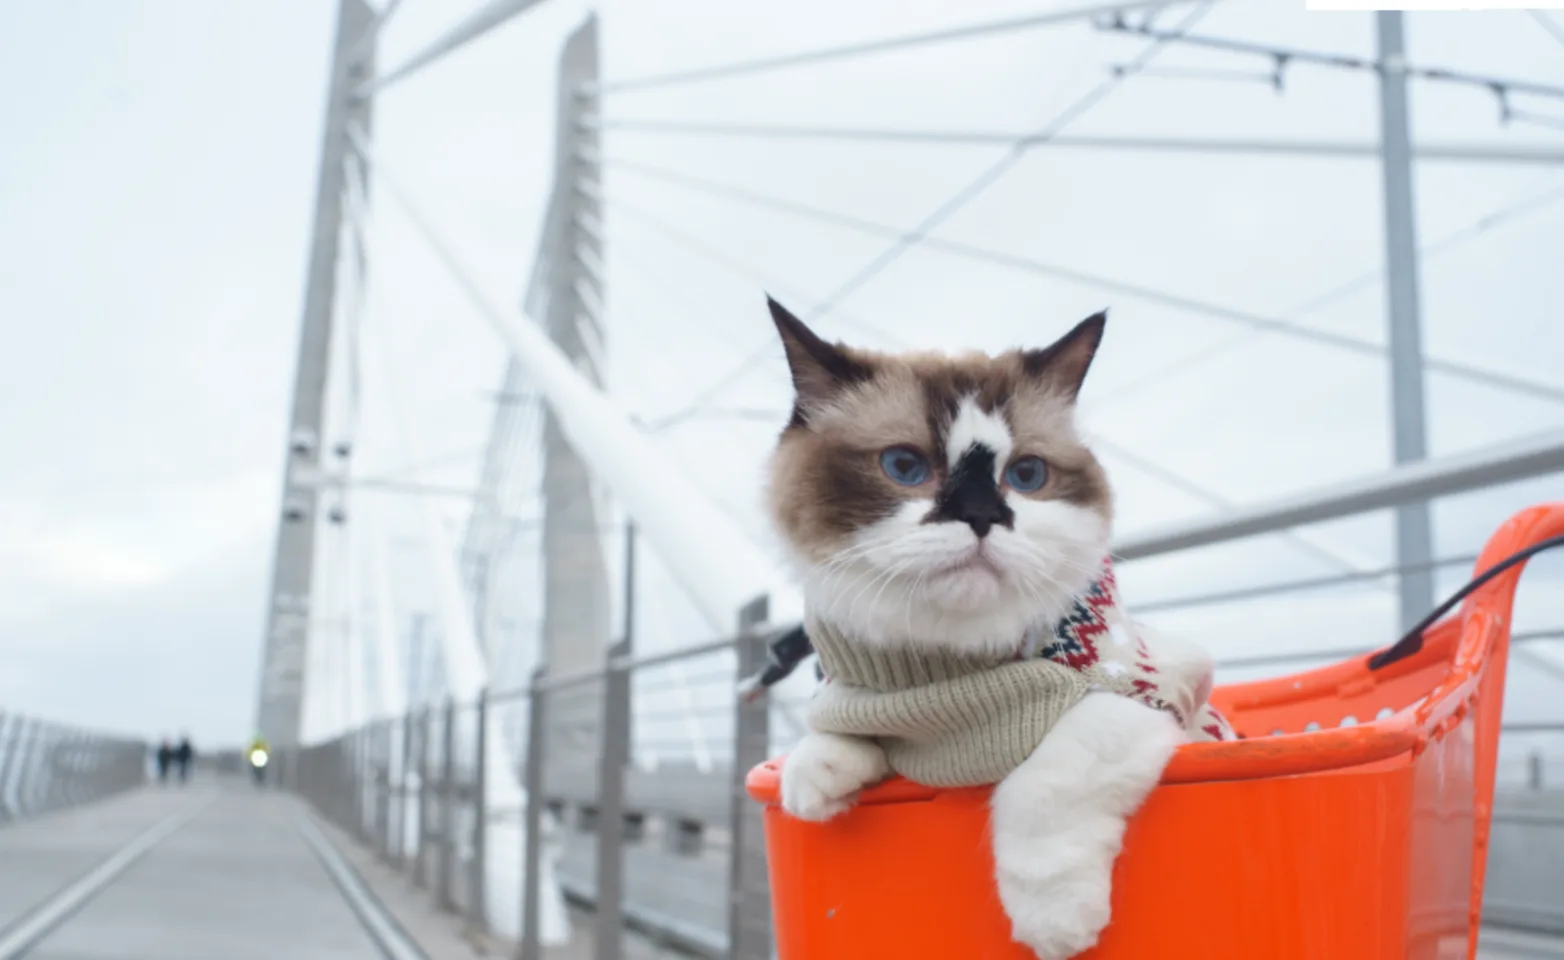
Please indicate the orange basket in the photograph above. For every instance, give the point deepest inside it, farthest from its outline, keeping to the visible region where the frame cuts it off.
(1351, 823)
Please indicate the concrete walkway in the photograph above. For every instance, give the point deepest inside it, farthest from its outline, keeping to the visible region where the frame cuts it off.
(195, 873)
(237, 881)
(224, 872)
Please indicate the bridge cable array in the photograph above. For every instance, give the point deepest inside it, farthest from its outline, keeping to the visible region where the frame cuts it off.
(906, 240)
(1309, 541)
(1112, 18)
(874, 47)
(1454, 368)
(1548, 24)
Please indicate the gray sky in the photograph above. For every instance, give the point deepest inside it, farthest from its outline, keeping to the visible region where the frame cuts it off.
(156, 176)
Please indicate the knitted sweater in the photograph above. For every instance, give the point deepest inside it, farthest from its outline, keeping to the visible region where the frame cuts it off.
(947, 719)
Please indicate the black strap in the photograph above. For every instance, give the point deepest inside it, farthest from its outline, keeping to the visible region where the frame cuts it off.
(1413, 641)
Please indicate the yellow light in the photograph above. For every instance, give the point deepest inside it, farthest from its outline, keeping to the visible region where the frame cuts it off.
(258, 757)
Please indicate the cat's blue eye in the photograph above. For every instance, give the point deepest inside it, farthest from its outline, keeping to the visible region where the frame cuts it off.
(905, 466)
(1027, 474)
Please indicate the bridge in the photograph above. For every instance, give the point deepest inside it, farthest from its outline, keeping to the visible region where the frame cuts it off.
(501, 694)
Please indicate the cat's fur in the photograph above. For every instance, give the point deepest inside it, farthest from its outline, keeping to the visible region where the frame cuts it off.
(899, 564)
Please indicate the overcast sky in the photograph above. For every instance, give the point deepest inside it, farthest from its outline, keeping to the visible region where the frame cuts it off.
(157, 165)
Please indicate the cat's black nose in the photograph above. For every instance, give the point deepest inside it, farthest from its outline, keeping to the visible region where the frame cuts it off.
(981, 514)
(972, 495)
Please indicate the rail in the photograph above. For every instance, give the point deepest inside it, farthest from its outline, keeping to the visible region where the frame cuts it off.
(47, 766)
(634, 771)
(631, 771)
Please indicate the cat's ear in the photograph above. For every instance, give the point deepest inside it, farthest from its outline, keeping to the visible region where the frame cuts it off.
(819, 369)
(1063, 363)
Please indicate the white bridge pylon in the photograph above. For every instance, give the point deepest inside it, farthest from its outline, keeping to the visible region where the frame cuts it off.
(711, 557)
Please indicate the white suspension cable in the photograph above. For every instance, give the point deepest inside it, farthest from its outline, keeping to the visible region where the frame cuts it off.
(466, 677)
(723, 572)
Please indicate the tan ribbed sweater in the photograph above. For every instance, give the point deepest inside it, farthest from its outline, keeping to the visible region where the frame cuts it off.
(947, 720)
(943, 719)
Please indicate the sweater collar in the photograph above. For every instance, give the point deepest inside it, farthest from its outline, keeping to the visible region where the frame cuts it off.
(1071, 640)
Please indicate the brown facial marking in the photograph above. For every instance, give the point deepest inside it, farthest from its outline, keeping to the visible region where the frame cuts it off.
(820, 370)
(1065, 361)
(826, 479)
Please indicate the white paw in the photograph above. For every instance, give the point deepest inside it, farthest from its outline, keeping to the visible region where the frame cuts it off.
(1059, 911)
(824, 773)
(1059, 819)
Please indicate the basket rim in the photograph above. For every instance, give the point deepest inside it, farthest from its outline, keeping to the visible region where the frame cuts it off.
(1464, 643)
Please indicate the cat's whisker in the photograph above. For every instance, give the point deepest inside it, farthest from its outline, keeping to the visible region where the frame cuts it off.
(850, 555)
(888, 575)
(1041, 559)
(916, 585)
(839, 595)
(891, 579)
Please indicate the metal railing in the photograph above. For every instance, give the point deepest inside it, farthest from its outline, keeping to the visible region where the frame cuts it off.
(633, 778)
(633, 772)
(635, 798)
(47, 766)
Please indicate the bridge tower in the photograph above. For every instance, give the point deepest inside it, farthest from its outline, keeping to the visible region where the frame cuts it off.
(288, 602)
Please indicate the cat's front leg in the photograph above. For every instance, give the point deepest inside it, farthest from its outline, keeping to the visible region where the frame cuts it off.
(823, 774)
(1058, 820)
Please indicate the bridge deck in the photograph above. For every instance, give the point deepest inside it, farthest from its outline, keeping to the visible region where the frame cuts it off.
(213, 871)
(204, 872)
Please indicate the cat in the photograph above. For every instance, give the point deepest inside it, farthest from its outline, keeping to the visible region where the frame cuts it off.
(950, 528)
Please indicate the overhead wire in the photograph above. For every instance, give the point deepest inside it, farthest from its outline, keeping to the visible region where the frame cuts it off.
(906, 240)
(1004, 165)
(872, 47)
(734, 265)
(1306, 540)
(1537, 119)
(1285, 56)
(1454, 368)
(727, 129)
(1549, 24)
(356, 202)
(1524, 205)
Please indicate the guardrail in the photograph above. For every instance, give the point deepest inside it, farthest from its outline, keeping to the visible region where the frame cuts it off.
(634, 771)
(47, 766)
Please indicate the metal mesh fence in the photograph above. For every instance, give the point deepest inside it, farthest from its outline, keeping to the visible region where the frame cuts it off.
(46, 766)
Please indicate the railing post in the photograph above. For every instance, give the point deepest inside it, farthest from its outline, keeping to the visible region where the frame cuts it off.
(447, 864)
(75, 773)
(92, 769)
(13, 730)
(335, 779)
(328, 759)
(383, 743)
(78, 766)
(1534, 770)
(402, 799)
(607, 942)
(532, 834)
(85, 768)
(106, 782)
(326, 776)
(357, 743)
(35, 778)
(341, 760)
(749, 903)
(47, 774)
(18, 781)
(477, 873)
(59, 772)
(48, 780)
(83, 762)
(421, 854)
(105, 767)
(363, 806)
